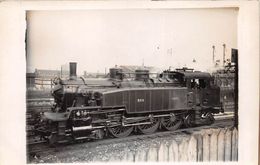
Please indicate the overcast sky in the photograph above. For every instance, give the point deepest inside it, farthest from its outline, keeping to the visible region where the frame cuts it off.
(99, 39)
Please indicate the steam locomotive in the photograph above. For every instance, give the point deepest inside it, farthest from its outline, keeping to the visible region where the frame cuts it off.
(118, 106)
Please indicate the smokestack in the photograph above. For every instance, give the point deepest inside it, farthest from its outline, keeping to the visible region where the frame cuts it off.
(73, 70)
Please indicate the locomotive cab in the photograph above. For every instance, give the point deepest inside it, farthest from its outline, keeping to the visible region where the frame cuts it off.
(202, 91)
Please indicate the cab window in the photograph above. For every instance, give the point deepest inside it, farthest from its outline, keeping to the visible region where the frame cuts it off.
(198, 83)
(202, 83)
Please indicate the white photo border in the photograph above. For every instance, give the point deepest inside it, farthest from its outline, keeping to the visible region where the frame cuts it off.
(13, 67)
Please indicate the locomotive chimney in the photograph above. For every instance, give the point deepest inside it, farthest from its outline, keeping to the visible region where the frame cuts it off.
(73, 70)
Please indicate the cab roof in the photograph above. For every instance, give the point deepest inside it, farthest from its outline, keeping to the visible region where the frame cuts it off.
(196, 74)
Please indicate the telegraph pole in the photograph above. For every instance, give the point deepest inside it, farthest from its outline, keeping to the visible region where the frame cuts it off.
(224, 54)
(213, 59)
(61, 71)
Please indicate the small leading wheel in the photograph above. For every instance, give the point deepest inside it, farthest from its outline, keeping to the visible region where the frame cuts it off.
(120, 131)
(149, 128)
(189, 120)
(171, 123)
(209, 118)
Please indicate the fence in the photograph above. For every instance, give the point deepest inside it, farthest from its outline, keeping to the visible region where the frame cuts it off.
(208, 145)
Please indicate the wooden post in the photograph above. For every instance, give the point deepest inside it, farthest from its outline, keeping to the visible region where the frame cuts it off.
(214, 145)
(228, 141)
(199, 148)
(183, 150)
(173, 151)
(221, 145)
(152, 154)
(163, 152)
(128, 157)
(206, 144)
(140, 156)
(192, 149)
(234, 145)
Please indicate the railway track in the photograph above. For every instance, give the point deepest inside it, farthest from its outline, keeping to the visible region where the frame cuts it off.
(227, 123)
(36, 148)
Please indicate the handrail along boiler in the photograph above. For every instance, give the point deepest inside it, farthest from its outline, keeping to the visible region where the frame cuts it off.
(117, 105)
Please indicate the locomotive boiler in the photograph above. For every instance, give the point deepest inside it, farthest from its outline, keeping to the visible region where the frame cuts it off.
(119, 105)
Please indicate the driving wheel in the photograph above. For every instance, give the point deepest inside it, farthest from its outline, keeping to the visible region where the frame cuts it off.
(120, 131)
(171, 123)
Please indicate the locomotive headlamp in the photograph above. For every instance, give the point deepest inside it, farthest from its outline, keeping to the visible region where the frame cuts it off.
(78, 113)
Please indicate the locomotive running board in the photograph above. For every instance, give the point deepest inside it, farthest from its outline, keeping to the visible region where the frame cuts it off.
(132, 120)
(126, 125)
(83, 128)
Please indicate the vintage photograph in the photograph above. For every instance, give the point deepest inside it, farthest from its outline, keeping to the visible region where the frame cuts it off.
(132, 85)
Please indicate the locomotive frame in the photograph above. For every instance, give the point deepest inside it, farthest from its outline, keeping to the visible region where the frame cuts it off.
(118, 107)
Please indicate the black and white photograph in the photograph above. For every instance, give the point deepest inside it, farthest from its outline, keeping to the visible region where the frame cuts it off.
(134, 84)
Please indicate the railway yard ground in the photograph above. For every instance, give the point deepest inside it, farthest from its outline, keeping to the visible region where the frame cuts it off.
(113, 149)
